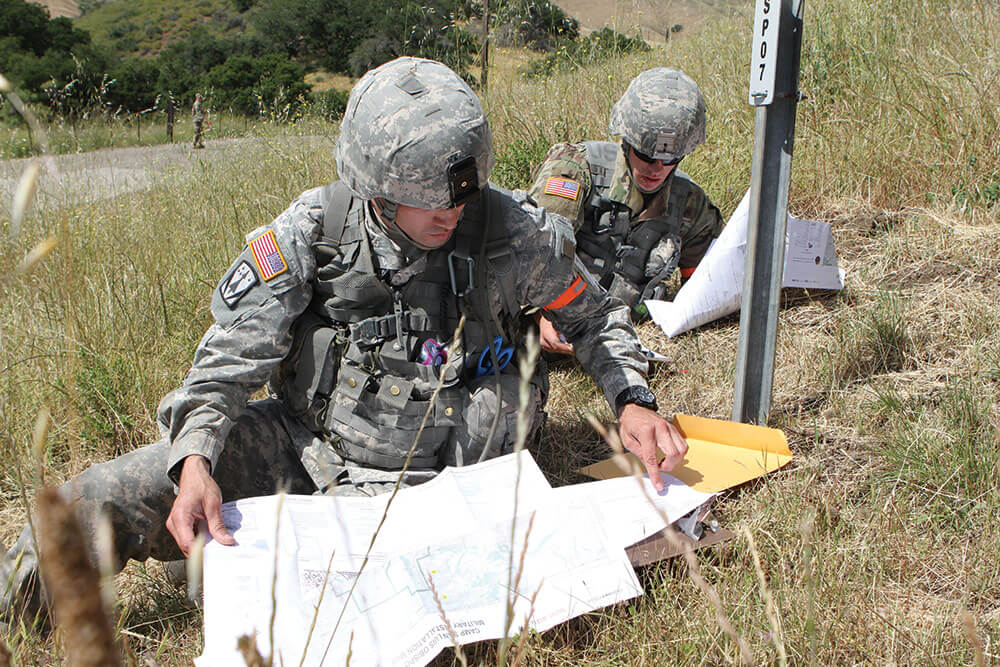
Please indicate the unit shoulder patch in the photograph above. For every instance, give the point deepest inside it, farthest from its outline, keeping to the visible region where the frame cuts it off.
(269, 259)
(562, 187)
(237, 284)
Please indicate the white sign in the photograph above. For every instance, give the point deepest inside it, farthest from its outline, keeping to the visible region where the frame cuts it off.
(763, 62)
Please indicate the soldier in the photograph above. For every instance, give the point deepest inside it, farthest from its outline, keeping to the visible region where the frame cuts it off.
(346, 303)
(198, 117)
(636, 216)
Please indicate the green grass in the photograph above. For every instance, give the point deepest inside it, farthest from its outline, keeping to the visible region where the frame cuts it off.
(149, 129)
(874, 541)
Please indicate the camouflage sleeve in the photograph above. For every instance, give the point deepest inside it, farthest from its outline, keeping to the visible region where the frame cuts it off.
(255, 304)
(598, 326)
(561, 183)
(702, 223)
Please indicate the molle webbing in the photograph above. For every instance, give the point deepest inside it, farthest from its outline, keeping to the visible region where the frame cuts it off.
(382, 391)
(626, 251)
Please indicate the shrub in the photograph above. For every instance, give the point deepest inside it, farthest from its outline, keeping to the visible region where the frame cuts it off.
(537, 24)
(328, 104)
(599, 45)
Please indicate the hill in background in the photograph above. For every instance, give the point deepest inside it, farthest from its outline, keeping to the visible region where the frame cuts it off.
(146, 26)
(652, 19)
(67, 8)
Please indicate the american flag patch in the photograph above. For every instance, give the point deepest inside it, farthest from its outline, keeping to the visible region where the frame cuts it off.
(268, 257)
(562, 187)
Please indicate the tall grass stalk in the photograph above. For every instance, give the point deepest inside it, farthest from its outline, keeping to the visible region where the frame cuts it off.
(765, 593)
(526, 362)
(630, 467)
(459, 653)
(452, 351)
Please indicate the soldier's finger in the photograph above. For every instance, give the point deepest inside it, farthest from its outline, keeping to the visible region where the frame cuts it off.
(673, 445)
(650, 460)
(216, 526)
(182, 531)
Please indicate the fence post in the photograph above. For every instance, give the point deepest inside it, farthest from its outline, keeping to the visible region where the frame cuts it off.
(774, 80)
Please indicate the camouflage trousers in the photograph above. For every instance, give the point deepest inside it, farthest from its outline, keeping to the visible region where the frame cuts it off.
(198, 127)
(266, 450)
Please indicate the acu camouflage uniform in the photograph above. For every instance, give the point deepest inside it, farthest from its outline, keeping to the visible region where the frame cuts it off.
(630, 240)
(618, 228)
(319, 318)
(198, 119)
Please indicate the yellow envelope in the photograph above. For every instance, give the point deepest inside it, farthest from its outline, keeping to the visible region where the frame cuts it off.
(721, 454)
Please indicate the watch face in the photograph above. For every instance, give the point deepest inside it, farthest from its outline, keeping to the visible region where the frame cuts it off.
(644, 395)
(640, 396)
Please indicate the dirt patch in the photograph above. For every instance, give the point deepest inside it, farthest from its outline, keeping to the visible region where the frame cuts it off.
(652, 19)
(67, 8)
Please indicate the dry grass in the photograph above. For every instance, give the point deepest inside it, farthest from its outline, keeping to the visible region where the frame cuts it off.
(876, 544)
(73, 585)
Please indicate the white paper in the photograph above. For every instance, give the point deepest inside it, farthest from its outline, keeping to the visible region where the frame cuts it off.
(623, 512)
(715, 289)
(455, 530)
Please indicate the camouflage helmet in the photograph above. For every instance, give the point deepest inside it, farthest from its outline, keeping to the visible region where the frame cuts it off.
(661, 114)
(414, 133)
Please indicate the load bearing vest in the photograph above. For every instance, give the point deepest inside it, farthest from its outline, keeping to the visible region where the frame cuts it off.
(360, 371)
(610, 244)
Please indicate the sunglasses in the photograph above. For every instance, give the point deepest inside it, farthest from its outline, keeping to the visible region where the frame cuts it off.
(652, 160)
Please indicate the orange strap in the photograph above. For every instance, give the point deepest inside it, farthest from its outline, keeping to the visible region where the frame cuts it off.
(574, 290)
(686, 273)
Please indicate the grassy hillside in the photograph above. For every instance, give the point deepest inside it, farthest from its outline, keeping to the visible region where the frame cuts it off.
(146, 26)
(875, 546)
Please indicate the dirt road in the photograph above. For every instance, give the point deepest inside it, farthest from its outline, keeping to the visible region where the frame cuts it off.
(84, 177)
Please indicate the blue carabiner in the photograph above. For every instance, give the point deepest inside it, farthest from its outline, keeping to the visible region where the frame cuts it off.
(504, 355)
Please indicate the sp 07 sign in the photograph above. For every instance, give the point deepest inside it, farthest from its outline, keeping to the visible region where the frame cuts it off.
(764, 59)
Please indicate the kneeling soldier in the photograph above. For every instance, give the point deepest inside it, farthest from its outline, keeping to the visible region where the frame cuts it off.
(346, 305)
(637, 217)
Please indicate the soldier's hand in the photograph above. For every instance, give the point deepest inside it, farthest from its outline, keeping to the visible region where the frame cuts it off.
(198, 498)
(551, 340)
(646, 434)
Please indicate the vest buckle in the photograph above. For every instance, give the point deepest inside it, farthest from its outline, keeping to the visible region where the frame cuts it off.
(470, 264)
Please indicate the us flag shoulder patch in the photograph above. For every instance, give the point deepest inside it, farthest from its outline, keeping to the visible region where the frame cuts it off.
(267, 255)
(562, 187)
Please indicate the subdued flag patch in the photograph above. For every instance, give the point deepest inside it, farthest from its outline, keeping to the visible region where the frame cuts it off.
(268, 257)
(562, 187)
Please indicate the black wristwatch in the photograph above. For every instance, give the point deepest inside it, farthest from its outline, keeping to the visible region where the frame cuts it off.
(635, 395)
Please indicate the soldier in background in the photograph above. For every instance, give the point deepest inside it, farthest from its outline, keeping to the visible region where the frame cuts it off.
(170, 117)
(637, 217)
(198, 117)
(346, 304)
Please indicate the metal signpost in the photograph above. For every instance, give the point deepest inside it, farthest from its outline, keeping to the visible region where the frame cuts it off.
(774, 79)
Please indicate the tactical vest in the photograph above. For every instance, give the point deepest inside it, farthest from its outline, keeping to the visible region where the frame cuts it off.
(610, 245)
(367, 356)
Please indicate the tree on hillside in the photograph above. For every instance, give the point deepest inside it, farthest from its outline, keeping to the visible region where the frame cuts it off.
(35, 50)
(249, 85)
(537, 24)
(329, 33)
(134, 86)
